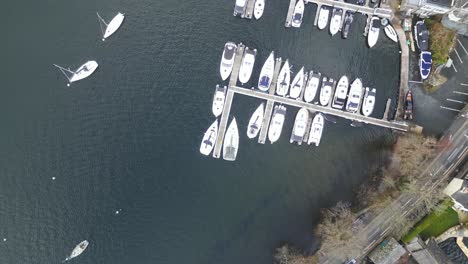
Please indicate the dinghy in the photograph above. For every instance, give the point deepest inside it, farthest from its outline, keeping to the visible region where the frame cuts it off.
(255, 122)
(231, 142)
(82, 72)
(369, 101)
(209, 138)
(276, 125)
(284, 79)
(78, 250)
(297, 84)
(312, 86)
(391, 33)
(316, 130)
(259, 8)
(112, 26)
(266, 74)
(300, 125)
(218, 100)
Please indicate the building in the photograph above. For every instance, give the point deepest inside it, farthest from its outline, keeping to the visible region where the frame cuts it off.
(429, 253)
(458, 191)
(387, 252)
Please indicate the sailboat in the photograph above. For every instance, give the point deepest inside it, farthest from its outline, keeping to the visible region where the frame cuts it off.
(82, 72)
(209, 138)
(255, 122)
(297, 84)
(78, 250)
(112, 26)
(266, 74)
(284, 79)
(231, 142)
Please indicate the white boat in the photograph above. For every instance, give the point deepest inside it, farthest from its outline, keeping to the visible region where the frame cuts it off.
(82, 72)
(298, 14)
(374, 29)
(325, 92)
(355, 96)
(425, 64)
(284, 78)
(112, 26)
(368, 102)
(323, 17)
(276, 125)
(335, 22)
(227, 60)
(231, 142)
(218, 100)
(239, 8)
(78, 250)
(209, 138)
(391, 33)
(255, 122)
(259, 8)
(316, 130)
(341, 93)
(297, 84)
(247, 65)
(300, 126)
(266, 74)
(312, 86)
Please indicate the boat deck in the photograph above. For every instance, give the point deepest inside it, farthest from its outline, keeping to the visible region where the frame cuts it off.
(249, 9)
(382, 12)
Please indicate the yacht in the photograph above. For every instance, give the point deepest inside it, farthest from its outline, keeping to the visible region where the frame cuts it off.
(408, 106)
(218, 100)
(276, 125)
(341, 93)
(421, 34)
(355, 96)
(312, 86)
(284, 78)
(368, 102)
(82, 72)
(298, 14)
(316, 130)
(112, 26)
(255, 122)
(78, 250)
(425, 64)
(231, 142)
(259, 8)
(209, 138)
(247, 65)
(325, 92)
(374, 29)
(297, 84)
(335, 22)
(323, 17)
(227, 60)
(347, 25)
(391, 33)
(239, 8)
(300, 125)
(266, 74)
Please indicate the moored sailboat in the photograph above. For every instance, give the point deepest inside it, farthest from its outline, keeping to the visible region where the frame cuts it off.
(284, 78)
(297, 84)
(82, 72)
(112, 26)
(78, 250)
(266, 74)
(255, 122)
(231, 142)
(209, 138)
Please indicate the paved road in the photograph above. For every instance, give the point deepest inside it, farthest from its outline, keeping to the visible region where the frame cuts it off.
(436, 172)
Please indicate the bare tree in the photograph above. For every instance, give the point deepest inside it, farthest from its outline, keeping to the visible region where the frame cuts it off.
(411, 151)
(288, 255)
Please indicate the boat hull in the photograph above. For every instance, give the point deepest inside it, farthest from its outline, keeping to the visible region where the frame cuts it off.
(300, 125)
(323, 18)
(341, 93)
(297, 84)
(259, 8)
(227, 60)
(276, 125)
(114, 25)
(266, 74)
(335, 22)
(298, 14)
(209, 138)
(316, 129)
(355, 96)
(84, 71)
(391, 33)
(255, 122)
(284, 79)
(218, 100)
(231, 142)
(247, 65)
(368, 102)
(312, 87)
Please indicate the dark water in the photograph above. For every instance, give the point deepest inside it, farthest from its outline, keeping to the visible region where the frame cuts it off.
(128, 136)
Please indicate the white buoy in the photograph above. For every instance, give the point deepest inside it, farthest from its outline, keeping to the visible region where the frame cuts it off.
(4, 239)
(53, 178)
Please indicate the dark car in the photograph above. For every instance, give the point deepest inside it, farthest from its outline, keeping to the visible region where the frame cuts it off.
(356, 2)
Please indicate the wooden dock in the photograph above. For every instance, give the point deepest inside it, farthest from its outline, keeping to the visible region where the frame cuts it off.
(269, 104)
(317, 13)
(382, 12)
(404, 67)
(228, 102)
(249, 9)
(401, 126)
(292, 4)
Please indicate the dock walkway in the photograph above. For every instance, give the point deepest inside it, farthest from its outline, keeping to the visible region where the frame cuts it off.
(249, 9)
(292, 5)
(404, 66)
(379, 11)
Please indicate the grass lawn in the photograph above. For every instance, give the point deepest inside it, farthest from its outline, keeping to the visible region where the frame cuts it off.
(433, 225)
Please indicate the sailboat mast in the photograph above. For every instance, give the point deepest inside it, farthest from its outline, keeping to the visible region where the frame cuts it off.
(64, 70)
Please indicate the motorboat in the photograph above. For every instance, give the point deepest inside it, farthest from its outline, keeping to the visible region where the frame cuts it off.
(341, 93)
(284, 78)
(259, 8)
(374, 30)
(218, 100)
(255, 122)
(349, 17)
(227, 60)
(391, 33)
(110, 28)
(335, 21)
(78, 250)
(298, 14)
(231, 141)
(355, 96)
(266, 74)
(239, 7)
(425, 64)
(209, 138)
(247, 64)
(369, 101)
(300, 125)
(316, 130)
(323, 17)
(276, 125)
(326, 91)
(421, 34)
(81, 73)
(408, 106)
(312, 86)
(297, 84)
